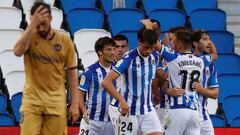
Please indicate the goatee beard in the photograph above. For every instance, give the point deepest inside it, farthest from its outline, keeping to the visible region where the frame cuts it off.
(44, 34)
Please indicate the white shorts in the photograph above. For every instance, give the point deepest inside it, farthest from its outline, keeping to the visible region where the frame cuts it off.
(163, 116)
(100, 128)
(183, 122)
(207, 127)
(84, 128)
(131, 125)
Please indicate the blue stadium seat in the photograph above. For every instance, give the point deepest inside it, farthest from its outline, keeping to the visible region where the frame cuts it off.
(208, 19)
(168, 18)
(16, 102)
(226, 86)
(80, 18)
(218, 121)
(150, 5)
(3, 103)
(231, 107)
(132, 38)
(235, 122)
(223, 40)
(6, 120)
(108, 5)
(228, 64)
(191, 5)
(71, 4)
(122, 19)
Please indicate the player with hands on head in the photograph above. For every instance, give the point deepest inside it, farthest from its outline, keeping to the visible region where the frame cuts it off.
(48, 53)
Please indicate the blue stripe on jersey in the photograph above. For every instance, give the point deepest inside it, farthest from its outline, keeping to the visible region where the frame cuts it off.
(150, 75)
(94, 100)
(126, 89)
(104, 100)
(134, 87)
(142, 100)
(204, 109)
(162, 99)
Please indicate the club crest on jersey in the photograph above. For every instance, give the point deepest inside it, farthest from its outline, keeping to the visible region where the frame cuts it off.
(82, 81)
(153, 61)
(57, 47)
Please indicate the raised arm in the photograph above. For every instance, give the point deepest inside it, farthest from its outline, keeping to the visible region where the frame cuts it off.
(22, 44)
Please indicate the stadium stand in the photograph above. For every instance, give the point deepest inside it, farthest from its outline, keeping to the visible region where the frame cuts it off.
(190, 6)
(71, 4)
(85, 41)
(150, 5)
(15, 81)
(108, 5)
(3, 103)
(230, 104)
(8, 37)
(168, 18)
(208, 19)
(16, 101)
(235, 122)
(223, 40)
(6, 120)
(129, 20)
(218, 121)
(132, 38)
(9, 62)
(80, 18)
(6, 3)
(12, 17)
(226, 86)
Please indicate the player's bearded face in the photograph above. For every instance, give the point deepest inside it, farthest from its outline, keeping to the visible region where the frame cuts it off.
(43, 29)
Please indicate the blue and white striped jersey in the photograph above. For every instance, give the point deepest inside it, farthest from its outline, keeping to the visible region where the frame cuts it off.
(98, 98)
(137, 73)
(184, 69)
(209, 81)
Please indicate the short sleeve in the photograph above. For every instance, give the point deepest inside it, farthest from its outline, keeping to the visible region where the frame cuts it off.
(213, 80)
(207, 59)
(122, 64)
(85, 80)
(71, 58)
(168, 54)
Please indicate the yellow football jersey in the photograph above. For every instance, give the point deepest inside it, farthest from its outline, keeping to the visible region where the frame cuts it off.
(45, 64)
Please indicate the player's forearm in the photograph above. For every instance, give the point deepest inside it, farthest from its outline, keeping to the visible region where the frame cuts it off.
(108, 85)
(73, 84)
(213, 52)
(210, 93)
(23, 42)
(81, 101)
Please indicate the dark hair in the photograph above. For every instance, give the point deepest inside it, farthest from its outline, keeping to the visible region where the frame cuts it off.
(119, 37)
(38, 4)
(147, 36)
(158, 23)
(197, 34)
(173, 29)
(185, 37)
(103, 42)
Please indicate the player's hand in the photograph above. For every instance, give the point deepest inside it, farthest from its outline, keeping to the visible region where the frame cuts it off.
(166, 39)
(198, 87)
(156, 100)
(124, 107)
(40, 15)
(176, 92)
(86, 117)
(73, 113)
(148, 24)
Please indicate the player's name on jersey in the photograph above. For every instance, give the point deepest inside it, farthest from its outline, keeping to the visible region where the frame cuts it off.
(189, 62)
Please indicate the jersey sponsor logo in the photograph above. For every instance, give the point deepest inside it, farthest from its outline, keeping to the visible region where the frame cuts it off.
(57, 47)
(82, 81)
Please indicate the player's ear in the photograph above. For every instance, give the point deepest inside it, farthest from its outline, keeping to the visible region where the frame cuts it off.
(195, 44)
(99, 53)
